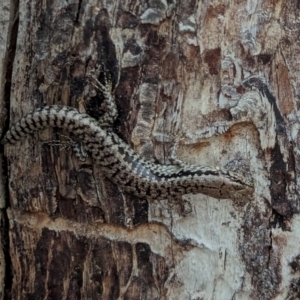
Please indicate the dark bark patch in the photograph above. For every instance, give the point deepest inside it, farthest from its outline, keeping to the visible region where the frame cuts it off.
(127, 20)
(213, 58)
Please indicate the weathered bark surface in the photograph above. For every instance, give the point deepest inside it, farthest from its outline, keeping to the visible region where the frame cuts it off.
(6, 44)
(177, 69)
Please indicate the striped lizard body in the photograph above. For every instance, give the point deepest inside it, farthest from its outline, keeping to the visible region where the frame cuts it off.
(129, 171)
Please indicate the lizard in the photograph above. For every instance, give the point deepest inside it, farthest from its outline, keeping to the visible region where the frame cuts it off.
(119, 163)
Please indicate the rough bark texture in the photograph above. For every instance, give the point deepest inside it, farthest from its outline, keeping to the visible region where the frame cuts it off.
(177, 68)
(7, 44)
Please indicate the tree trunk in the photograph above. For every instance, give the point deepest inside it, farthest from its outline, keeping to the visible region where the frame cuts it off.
(177, 70)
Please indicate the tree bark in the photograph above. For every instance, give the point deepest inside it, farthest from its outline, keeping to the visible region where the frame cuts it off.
(177, 70)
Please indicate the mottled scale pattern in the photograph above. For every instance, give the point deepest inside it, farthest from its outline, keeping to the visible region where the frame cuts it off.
(129, 171)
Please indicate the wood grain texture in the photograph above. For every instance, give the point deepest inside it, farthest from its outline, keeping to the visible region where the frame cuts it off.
(177, 69)
(8, 23)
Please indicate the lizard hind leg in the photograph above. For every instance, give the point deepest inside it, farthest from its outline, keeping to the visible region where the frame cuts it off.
(79, 149)
(172, 153)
